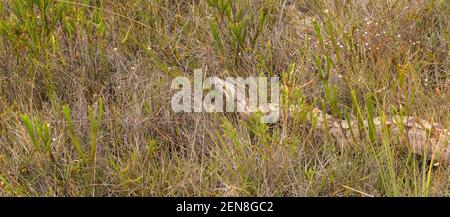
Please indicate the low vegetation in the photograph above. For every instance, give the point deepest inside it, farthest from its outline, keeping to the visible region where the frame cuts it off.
(85, 97)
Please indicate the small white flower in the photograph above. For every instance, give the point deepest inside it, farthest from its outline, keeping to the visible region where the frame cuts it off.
(48, 125)
(399, 35)
(132, 68)
(54, 139)
(115, 49)
(367, 44)
(326, 11)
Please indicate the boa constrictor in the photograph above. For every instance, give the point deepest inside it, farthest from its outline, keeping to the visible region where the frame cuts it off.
(422, 137)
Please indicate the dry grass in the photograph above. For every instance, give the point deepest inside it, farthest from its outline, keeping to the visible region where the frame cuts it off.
(55, 53)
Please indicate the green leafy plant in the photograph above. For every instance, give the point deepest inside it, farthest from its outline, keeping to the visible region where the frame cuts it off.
(39, 134)
(94, 124)
(232, 26)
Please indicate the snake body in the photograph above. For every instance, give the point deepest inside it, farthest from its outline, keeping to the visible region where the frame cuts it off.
(431, 140)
